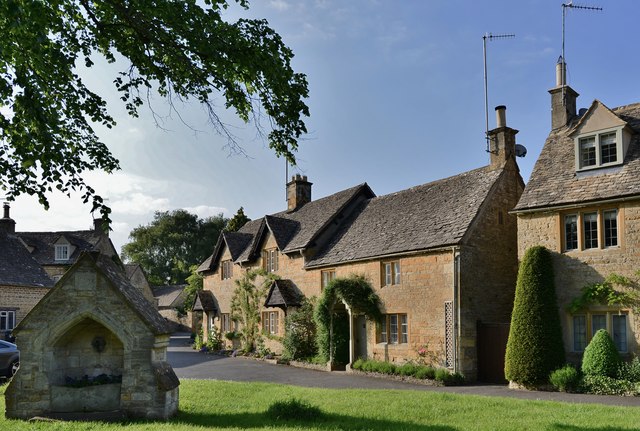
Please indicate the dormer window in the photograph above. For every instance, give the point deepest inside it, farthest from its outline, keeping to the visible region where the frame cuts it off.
(62, 252)
(599, 150)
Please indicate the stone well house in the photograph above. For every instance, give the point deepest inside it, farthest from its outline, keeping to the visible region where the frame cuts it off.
(94, 325)
(441, 256)
(583, 203)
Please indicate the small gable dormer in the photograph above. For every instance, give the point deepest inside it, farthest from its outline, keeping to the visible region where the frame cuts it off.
(63, 249)
(601, 138)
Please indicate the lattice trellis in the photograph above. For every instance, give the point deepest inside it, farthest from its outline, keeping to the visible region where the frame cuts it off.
(448, 333)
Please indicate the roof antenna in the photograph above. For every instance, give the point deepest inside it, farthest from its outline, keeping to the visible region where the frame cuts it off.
(489, 36)
(566, 6)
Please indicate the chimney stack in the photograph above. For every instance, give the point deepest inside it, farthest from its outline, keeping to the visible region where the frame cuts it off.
(502, 140)
(563, 98)
(298, 192)
(98, 226)
(7, 224)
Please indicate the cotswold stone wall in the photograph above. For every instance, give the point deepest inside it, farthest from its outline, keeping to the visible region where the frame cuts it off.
(21, 299)
(577, 268)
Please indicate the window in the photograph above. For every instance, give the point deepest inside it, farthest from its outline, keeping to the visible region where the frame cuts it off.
(7, 320)
(591, 230)
(227, 269)
(611, 228)
(270, 322)
(598, 150)
(225, 322)
(62, 252)
(391, 273)
(327, 276)
(571, 232)
(586, 325)
(394, 329)
(270, 260)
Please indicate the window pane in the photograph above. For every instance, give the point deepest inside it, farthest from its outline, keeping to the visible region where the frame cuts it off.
(608, 152)
(383, 330)
(619, 329)
(579, 333)
(588, 151)
(393, 328)
(598, 321)
(611, 228)
(404, 328)
(591, 230)
(571, 232)
(396, 272)
(387, 274)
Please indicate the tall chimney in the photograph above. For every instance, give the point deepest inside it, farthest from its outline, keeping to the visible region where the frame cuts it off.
(502, 140)
(298, 192)
(98, 226)
(7, 224)
(563, 98)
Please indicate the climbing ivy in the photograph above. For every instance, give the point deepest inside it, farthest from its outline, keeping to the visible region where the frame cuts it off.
(358, 294)
(605, 293)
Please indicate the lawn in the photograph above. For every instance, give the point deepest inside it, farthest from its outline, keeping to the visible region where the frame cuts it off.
(229, 406)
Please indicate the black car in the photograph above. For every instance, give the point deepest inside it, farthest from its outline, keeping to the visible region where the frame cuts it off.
(9, 359)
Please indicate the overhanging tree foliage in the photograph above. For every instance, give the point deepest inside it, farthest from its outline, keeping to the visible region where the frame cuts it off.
(358, 294)
(534, 347)
(179, 49)
(167, 247)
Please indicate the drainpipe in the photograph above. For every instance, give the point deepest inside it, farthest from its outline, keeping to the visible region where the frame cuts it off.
(456, 307)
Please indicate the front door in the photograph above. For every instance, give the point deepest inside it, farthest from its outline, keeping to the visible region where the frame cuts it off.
(361, 337)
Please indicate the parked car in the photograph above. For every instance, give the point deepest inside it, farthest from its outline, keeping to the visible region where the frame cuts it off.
(9, 359)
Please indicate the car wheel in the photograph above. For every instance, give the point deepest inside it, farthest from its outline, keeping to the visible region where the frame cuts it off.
(13, 368)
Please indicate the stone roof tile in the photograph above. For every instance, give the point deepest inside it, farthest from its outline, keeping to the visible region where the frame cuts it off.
(17, 266)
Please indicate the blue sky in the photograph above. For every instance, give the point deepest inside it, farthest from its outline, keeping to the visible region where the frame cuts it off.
(396, 100)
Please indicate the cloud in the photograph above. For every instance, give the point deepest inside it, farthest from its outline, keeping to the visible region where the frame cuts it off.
(279, 5)
(204, 211)
(138, 204)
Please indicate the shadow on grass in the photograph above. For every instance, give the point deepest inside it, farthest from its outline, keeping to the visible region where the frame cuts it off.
(327, 421)
(565, 427)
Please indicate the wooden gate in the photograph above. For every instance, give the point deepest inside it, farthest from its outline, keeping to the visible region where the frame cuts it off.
(492, 346)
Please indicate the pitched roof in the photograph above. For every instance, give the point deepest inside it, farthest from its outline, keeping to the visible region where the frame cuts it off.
(555, 182)
(205, 301)
(43, 244)
(283, 293)
(432, 215)
(17, 266)
(292, 230)
(169, 296)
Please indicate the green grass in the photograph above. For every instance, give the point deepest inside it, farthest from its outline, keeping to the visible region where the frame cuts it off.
(214, 405)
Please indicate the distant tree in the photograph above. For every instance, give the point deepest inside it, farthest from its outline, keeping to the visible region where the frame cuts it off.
(237, 221)
(534, 347)
(171, 244)
(181, 50)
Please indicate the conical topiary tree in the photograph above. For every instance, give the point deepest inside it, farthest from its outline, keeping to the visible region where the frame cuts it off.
(601, 358)
(535, 347)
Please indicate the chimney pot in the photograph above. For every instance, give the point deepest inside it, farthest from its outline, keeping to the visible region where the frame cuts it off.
(6, 223)
(6, 210)
(501, 116)
(561, 72)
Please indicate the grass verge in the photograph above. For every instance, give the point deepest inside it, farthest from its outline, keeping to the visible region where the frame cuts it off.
(215, 405)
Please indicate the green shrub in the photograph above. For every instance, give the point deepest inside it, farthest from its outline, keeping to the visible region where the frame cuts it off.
(213, 340)
(300, 334)
(385, 368)
(449, 379)
(601, 358)
(565, 379)
(630, 370)
(425, 373)
(197, 341)
(604, 385)
(294, 409)
(407, 369)
(534, 347)
(357, 365)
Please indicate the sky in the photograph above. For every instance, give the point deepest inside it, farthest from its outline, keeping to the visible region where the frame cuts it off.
(396, 100)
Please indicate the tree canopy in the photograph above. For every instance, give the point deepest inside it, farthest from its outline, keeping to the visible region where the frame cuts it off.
(237, 221)
(182, 50)
(171, 244)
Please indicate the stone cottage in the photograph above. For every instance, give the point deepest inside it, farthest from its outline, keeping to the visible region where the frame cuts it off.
(93, 344)
(441, 256)
(583, 203)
